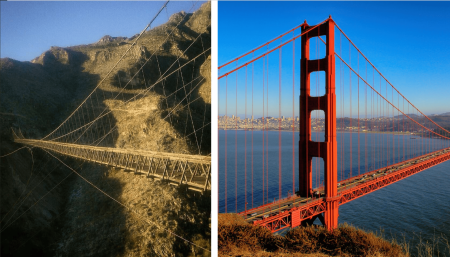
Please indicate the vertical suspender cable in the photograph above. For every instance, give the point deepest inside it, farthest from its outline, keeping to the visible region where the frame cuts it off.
(365, 134)
(293, 116)
(263, 131)
(279, 129)
(252, 130)
(359, 159)
(245, 131)
(218, 152)
(267, 131)
(351, 118)
(235, 145)
(226, 140)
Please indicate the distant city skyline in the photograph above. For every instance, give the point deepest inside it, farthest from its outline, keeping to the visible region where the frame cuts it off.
(242, 116)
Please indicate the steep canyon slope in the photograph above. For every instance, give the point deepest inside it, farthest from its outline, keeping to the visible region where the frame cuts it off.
(47, 209)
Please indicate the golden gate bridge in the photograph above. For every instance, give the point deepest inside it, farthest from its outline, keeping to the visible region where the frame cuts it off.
(350, 95)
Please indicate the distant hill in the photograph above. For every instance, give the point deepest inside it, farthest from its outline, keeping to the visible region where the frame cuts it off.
(409, 114)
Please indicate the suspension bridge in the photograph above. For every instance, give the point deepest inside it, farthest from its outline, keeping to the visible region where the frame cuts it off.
(91, 131)
(356, 132)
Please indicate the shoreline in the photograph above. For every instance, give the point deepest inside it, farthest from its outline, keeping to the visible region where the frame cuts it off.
(368, 132)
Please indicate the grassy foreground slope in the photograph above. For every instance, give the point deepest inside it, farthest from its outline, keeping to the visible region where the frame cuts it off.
(238, 238)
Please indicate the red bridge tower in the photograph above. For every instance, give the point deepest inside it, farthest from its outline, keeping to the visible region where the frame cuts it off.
(326, 150)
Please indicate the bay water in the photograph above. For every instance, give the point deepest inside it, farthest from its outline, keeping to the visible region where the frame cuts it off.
(415, 209)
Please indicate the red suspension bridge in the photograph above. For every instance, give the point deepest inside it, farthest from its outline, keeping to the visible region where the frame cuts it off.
(355, 133)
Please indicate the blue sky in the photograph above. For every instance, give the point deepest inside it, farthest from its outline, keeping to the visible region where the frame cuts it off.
(30, 28)
(407, 41)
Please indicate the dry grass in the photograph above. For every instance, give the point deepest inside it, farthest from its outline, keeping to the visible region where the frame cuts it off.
(346, 240)
(239, 239)
(439, 246)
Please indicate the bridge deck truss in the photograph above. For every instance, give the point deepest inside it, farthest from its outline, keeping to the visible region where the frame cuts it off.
(194, 171)
(293, 211)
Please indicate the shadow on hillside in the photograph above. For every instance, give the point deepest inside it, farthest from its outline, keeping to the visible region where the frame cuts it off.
(197, 230)
(93, 224)
(37, 97)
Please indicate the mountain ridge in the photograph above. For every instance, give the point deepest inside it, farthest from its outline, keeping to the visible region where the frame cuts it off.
(76, 218)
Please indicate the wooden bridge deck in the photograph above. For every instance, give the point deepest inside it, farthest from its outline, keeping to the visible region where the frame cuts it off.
(194, 171)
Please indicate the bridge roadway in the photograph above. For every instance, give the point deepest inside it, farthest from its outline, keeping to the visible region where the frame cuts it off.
(194, 171)
(292, 211)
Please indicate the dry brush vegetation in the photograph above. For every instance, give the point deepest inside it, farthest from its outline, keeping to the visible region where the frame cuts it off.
(238, 238)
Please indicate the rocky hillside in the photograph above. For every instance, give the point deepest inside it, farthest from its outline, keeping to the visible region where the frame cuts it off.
(172, 115)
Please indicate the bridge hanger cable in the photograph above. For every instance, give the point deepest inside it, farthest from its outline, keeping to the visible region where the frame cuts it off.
(115, 65)
(205, 106)
(253, 51)
(270, 51)
(381, 75)
(263, 132)
(26, 185)
(184, 88)
(267, 131)
(123, 205)
(163, 83)
(226, 144)
(89, 223)
(15, 151)
(115, 127)
(388, 80)
(204, 126)
(159, 80)
(235, 143)
(42, 167)
(86, 224)
(101, 116)
(60, 215)
(8, 225)
(132, 98)
(389, 101)
(141, 92)
(124, 86)
(110, 72)
(293, 116)
(185, 98)
(22, 201)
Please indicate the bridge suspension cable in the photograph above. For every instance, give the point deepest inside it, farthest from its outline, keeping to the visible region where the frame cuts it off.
(389, 81)
(379, 131)
(81, 130)
(115, 65)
